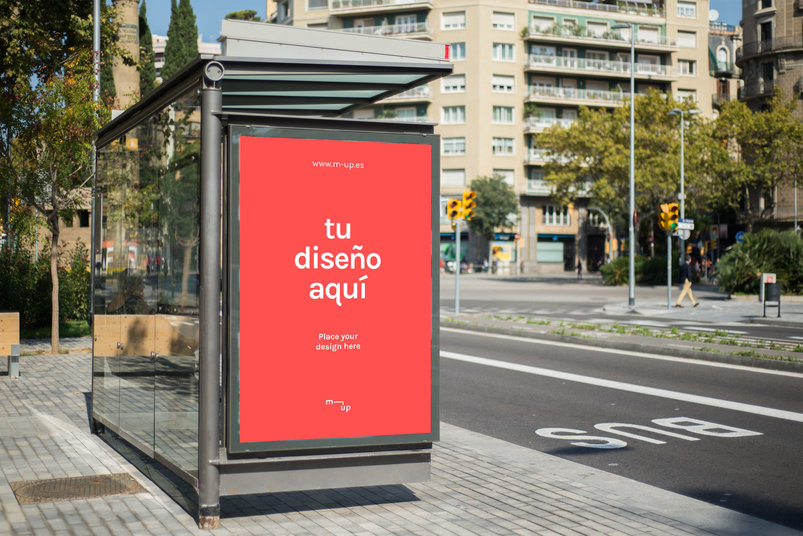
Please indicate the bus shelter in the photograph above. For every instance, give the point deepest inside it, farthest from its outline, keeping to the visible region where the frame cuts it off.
(265, 272)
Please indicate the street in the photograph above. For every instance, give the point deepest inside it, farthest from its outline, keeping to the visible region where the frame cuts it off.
(727, 435)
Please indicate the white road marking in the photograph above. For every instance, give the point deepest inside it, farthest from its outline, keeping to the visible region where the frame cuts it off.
(796, 338)
(714, 330)
(629, 387)
(627, 352)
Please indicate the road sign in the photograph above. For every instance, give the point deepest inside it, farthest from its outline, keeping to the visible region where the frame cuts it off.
(685, 224)
(740, 236)
(683, 234)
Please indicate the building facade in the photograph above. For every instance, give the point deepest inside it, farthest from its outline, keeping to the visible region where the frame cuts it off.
(520, 67)
(771, 57)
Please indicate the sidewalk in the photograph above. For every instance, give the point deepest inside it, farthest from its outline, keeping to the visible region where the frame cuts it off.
(479, 485)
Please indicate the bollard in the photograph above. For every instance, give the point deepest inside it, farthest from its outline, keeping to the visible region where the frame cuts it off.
(14, 361)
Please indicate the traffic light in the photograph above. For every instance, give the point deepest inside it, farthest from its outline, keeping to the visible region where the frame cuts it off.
(454, 209)
(469, 202)
(669, 216)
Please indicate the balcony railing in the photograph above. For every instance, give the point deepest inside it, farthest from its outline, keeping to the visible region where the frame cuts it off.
(406, 119)
(597, 66)
(592, 97)
(758, 88)
(539, 124)
(770, 45)
(337, 5)
(420, 92)
(580, 33)
(539, 155)
(721, 27)
(392, 29)
(539, 187)
(654, 11)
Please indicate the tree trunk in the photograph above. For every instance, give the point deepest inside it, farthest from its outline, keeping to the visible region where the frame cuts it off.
(54, 278)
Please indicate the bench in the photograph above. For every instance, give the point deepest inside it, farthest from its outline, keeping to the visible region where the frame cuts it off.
(10, 341)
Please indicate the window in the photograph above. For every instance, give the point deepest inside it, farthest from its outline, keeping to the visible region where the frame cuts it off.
(457, 51)
(766, 4)
(502, 146)
(508, 175)
(453, 21)
(555, 215)
(503, 115)
(453, 177)
(687, 10)
(687, 94)
(687, 39)
(405, 23)
(648, 34)
(317, 4)
(502, 83)
(454, 115)
(502, 21)
(595, 59)
(596, 29)
(767, 74)
(503, 52)
(541, 24)
(83, 218)
(407, 113)
(452, 146)
(455, 83)
(536, 181)
(686, 67)
(765, 31)
(723, 57)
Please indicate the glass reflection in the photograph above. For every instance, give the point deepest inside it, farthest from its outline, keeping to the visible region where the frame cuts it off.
(146, 284)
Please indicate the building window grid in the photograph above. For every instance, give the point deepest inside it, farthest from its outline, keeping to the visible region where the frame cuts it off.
(455, 83)
(454, 146)
(457, 51)
(503, 21)
(687, 10)
(503, 52)
(454, 115)
(502, 83)
(502, 146)
(503, 115)
(556, 215)
(454, 21)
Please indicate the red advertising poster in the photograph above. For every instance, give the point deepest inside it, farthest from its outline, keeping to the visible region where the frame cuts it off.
(334, 290)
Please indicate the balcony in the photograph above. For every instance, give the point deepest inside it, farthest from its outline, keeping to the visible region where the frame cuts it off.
(724, 69)
(756, 89)
(620, 69)
(419, 29)
(345, 7)
(539, 156)
(654, 11)
(406, 118)
(416, 94)
(770, 46)
(581, 36)
(539, 187)
(570, 95)
(539, 124)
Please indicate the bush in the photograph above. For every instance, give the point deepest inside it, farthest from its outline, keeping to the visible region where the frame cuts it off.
(770, 251)
(616, 271)
(25, 286)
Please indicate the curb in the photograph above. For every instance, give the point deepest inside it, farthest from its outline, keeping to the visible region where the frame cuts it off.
(770, 364)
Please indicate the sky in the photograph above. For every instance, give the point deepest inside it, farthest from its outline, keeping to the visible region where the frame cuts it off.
(209, 13)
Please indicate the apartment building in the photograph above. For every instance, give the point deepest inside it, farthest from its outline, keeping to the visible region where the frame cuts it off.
(772, 56)
(519, 67)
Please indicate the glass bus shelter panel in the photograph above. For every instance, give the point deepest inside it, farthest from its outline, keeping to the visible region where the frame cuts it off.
(146, 284)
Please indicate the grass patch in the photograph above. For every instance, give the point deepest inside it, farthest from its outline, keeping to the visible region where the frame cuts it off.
(71, 328)
(539, 322)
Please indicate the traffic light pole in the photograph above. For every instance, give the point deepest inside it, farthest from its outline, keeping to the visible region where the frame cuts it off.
(668, 270)
(457, 268)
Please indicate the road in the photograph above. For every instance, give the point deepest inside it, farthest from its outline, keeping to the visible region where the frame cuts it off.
(723, 434)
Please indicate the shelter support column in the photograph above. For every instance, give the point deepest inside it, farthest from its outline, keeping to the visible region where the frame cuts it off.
(210, 344)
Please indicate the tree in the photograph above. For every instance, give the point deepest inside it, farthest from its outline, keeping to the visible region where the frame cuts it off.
(770, 145)
(49, 160)
(182, 38)
(246, 14)
(592, 158)
(147, 61)
(496, 203)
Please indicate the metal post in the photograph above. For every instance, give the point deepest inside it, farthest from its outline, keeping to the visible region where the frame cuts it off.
(14, 361)
(682, 196)
(209, 385)
(631, 266)
(95, 213)
(795, 188)
(668, 270)
(457, 268)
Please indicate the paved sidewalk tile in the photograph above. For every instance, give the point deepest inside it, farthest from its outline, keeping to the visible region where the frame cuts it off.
(479, 485)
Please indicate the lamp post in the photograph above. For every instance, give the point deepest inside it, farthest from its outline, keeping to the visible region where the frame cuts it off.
(631, 227)
(682, 195)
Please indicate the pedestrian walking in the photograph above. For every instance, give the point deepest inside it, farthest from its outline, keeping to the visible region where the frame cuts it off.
(685, 280)
(579, 270)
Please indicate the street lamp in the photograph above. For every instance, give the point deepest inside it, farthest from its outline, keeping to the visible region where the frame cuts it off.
(682, 196)
(631, 270)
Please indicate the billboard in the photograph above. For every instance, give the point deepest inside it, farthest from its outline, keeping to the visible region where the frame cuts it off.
(331, 289)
